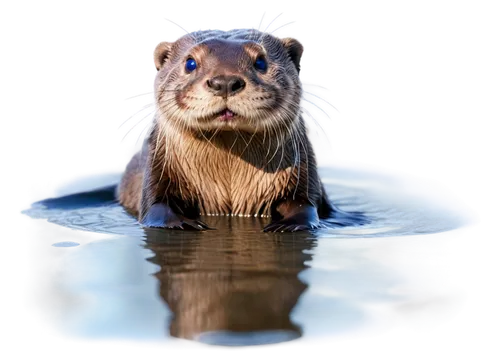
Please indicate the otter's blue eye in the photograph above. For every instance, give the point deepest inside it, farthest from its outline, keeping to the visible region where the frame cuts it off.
(190, 65)
(261, 64)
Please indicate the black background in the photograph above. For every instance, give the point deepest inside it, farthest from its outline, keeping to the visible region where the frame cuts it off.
(402, 81)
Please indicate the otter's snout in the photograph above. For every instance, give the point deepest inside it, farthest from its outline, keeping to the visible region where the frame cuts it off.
(226, 86)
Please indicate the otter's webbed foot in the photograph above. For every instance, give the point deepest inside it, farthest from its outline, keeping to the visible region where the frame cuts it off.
(161, 216)
(295, 217)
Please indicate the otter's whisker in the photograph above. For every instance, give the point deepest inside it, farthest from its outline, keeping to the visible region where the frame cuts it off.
(133, 100)
(234, 142)
(277, 135)
(137, 123)
(241, 136)
(144, 134)
(321, 99)
(315, 105)
(203, 134)
(142, 94)
(174, 23)
(270, 127)
(271, 23)
(163, 168)
(250, 141)
(134, 115)
(288, 23)
(282, 152)
(157, 142)
(295, 148)
(298, 174)
(146, 90)
(130, 130)
(306, 155)
(313, 86)
(295, 156)
(260, 23)
(265, 131)
(217, 130)
(309, 115)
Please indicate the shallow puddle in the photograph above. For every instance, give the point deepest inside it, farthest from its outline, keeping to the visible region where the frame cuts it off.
(98, 276)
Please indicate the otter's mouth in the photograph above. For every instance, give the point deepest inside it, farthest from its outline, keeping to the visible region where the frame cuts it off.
(226, 115)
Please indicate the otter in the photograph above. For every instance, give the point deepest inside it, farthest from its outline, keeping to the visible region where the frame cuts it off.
(228, 136)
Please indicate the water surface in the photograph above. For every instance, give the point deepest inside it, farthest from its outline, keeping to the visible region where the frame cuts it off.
(235, 285)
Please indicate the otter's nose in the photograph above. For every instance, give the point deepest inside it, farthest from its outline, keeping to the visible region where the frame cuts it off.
(225, 86)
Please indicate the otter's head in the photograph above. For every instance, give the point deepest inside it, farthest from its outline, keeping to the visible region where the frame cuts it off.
(241, 79)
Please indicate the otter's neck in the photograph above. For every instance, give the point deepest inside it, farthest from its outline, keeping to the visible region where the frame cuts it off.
(270, 151)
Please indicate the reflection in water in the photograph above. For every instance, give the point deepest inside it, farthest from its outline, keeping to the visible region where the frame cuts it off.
(232, 279)
(234, 285)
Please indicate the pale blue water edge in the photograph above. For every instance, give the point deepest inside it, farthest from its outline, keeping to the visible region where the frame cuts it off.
(234, 285)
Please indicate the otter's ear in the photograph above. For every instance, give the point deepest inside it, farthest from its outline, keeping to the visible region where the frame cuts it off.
(162, 52)
(294, 49)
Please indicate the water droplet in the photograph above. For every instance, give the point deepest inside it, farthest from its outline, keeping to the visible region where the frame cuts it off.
(66, 244)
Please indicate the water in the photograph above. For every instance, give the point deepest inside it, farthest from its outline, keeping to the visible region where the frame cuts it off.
(235, 285)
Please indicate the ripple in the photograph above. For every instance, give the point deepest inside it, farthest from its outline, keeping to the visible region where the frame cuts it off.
(235, 285)
(383, 212)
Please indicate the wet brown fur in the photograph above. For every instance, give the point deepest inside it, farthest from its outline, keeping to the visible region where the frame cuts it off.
(260, 164)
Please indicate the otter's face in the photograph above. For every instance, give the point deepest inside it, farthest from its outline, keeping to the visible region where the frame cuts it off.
(237, 80)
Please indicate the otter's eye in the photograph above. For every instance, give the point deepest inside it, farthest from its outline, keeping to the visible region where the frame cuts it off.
(190, 65)
(260, 64)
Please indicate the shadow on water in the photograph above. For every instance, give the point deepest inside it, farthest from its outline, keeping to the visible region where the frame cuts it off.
(343, 218)
(88, 199)
(232, 286)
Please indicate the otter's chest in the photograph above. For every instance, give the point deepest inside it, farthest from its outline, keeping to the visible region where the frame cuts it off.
(230, 185)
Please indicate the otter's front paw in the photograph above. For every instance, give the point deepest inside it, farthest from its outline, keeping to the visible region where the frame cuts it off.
(161, 216)
(301, 221)
(295, 216)
(288, 225)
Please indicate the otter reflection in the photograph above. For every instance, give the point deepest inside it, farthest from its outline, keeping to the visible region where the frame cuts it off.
(235, 279)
